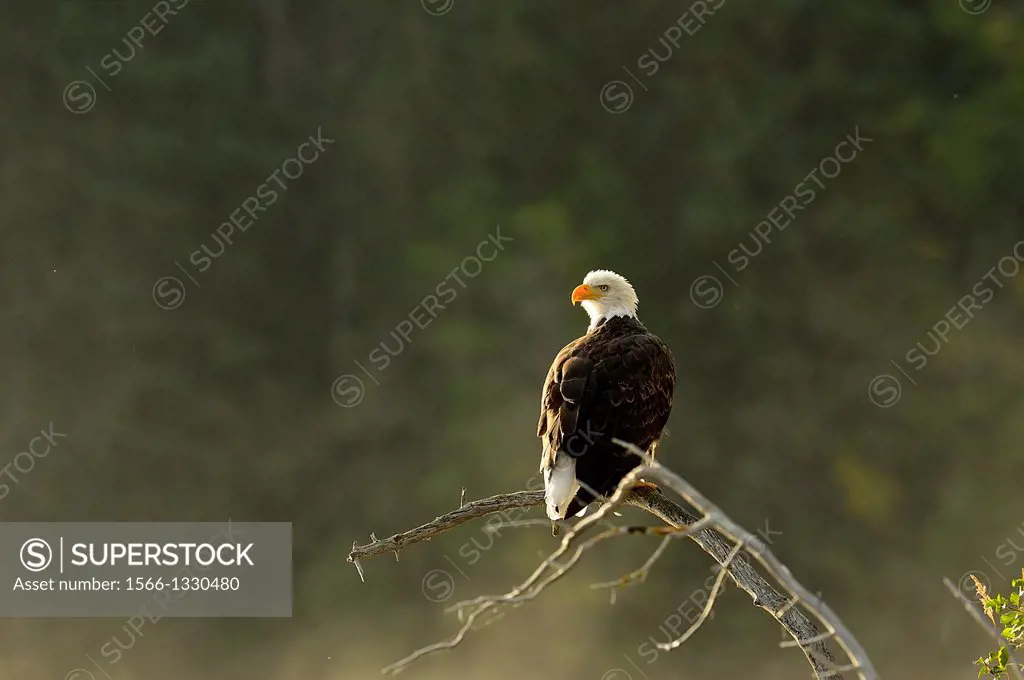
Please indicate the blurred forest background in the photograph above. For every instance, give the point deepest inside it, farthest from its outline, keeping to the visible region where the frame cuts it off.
(447, 120)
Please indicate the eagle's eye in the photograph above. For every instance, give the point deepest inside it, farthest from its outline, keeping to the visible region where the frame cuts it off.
(604, 288)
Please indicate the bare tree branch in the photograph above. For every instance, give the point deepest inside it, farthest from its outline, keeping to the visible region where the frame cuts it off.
(718, 535)
(525, 591)
(638, 576)
(715, 590)
(781, 608)
(449, 520)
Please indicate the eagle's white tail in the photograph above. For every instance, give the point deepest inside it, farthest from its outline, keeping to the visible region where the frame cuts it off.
(560, 485)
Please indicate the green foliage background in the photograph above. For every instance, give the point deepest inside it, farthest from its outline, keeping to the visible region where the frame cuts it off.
(445, 127)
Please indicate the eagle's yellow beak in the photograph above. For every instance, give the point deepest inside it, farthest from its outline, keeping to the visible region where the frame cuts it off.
(584, 292)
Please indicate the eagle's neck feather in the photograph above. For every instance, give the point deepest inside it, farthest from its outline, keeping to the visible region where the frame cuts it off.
(598, 315)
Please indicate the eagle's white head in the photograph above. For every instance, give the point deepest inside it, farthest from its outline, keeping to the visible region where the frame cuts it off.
(605, 294)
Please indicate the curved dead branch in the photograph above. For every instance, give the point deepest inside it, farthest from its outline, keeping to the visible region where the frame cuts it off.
(716, 533)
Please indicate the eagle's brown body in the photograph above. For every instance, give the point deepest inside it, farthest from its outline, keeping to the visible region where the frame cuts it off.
(615, 382)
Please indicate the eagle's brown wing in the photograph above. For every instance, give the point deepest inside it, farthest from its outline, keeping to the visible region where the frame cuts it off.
(614, 383)
(558, 414)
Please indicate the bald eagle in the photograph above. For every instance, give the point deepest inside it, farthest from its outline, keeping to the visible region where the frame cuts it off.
(614, 382)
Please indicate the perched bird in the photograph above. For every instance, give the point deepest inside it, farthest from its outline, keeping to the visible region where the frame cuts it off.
(614, 382)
